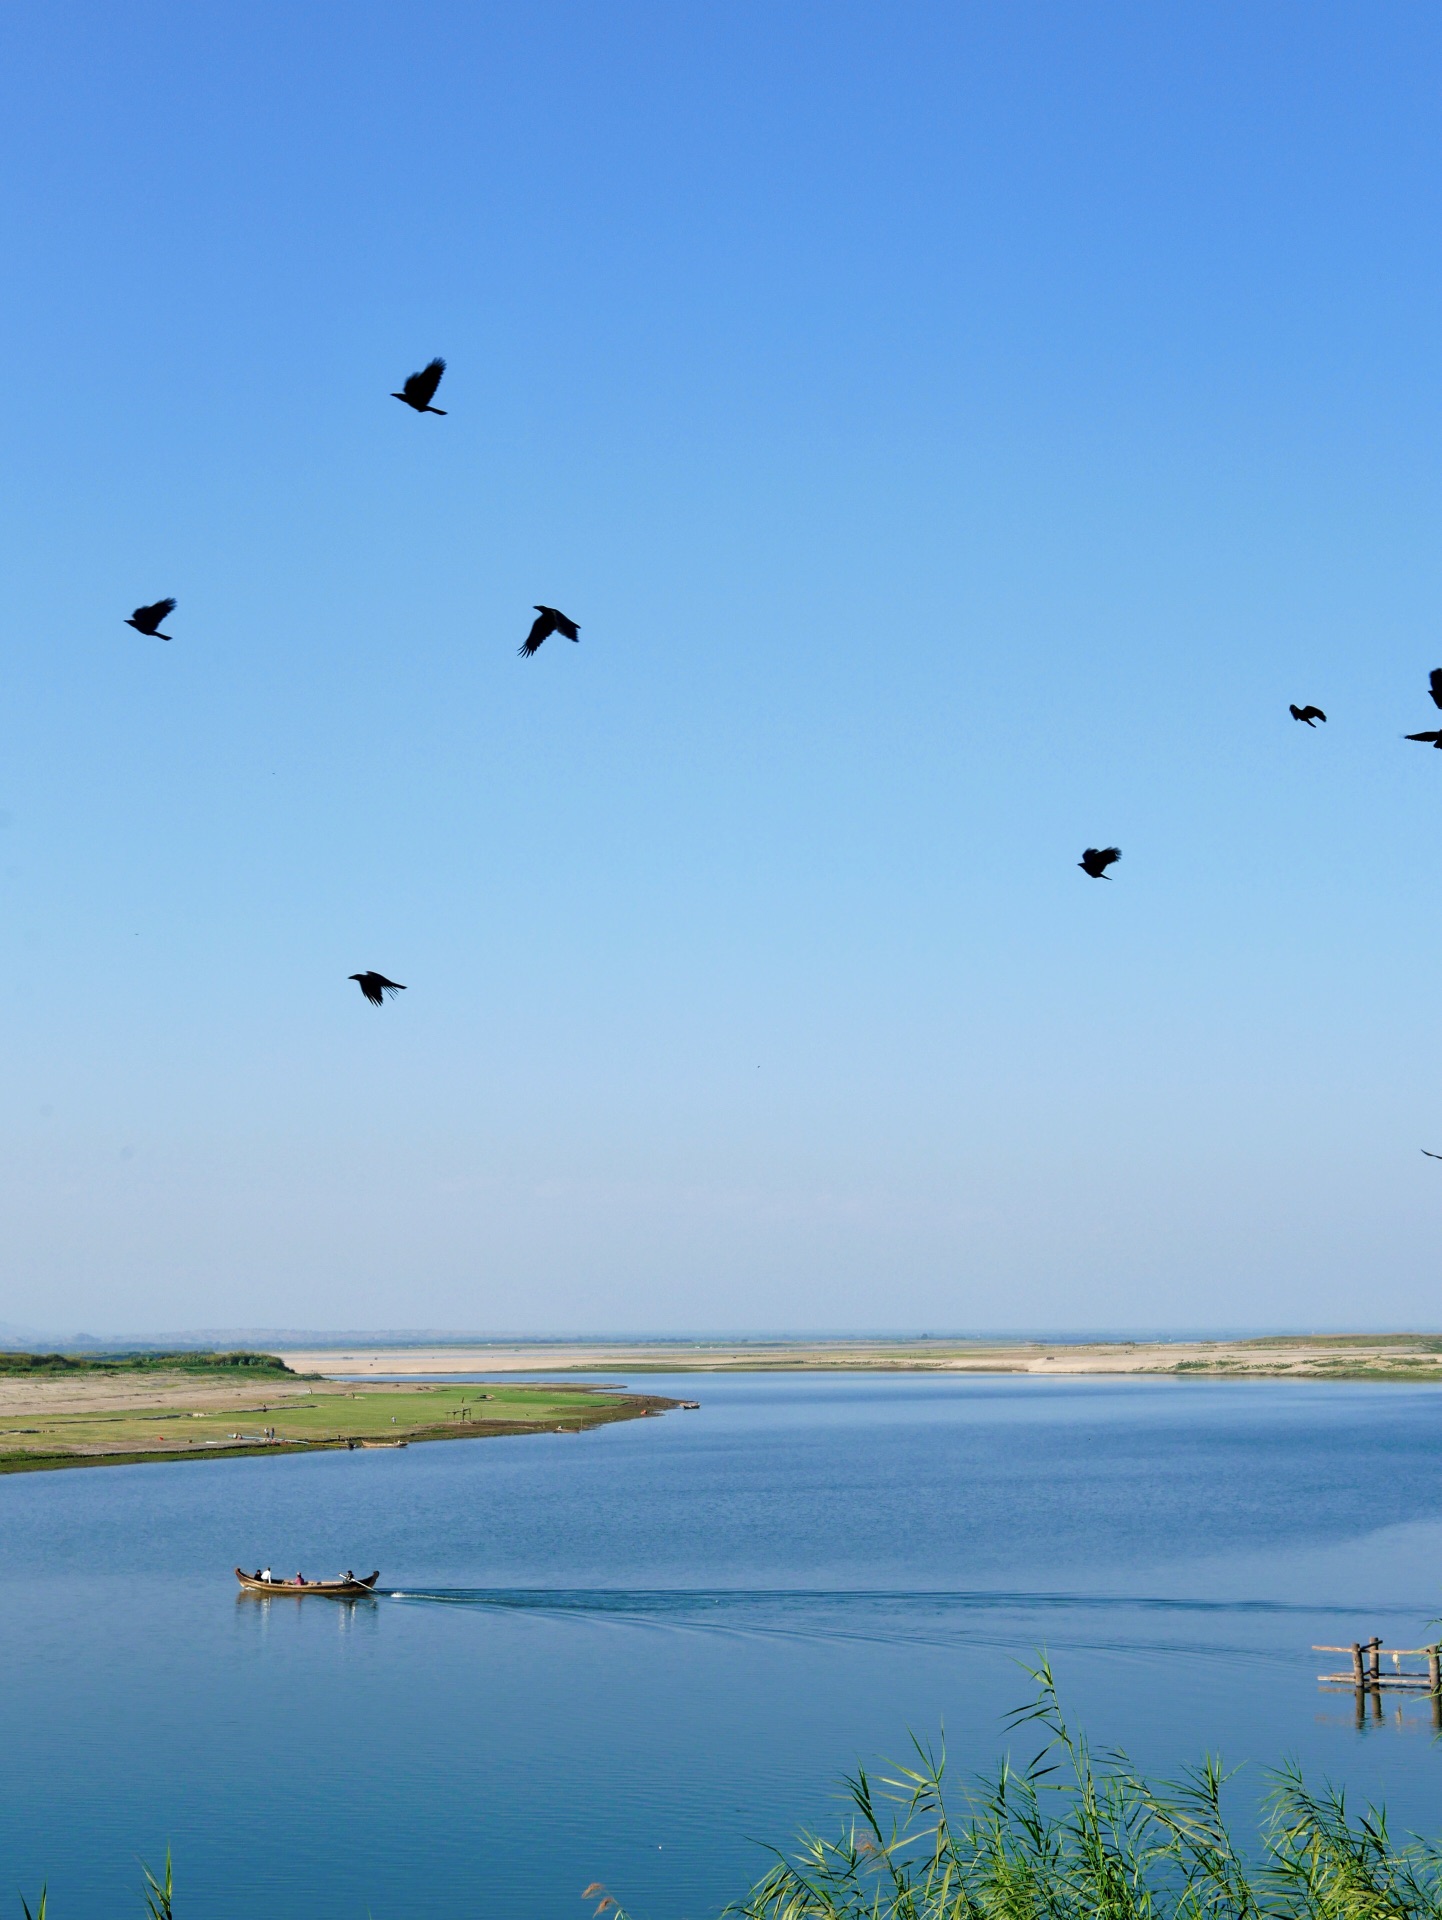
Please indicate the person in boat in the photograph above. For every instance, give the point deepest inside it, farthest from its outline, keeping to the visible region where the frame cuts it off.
(300, 1580)
(264, 1574)
(349, 1577)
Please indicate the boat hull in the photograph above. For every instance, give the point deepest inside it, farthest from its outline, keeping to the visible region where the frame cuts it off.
(329, 1589)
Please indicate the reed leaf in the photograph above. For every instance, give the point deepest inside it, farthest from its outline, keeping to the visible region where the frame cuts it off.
(158, 1893)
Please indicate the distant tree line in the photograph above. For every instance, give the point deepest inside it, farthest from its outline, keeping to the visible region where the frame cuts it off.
(188, 1361)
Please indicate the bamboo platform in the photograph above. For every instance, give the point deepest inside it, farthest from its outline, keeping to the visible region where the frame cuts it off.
(1368, 1672)
(1368, 1680)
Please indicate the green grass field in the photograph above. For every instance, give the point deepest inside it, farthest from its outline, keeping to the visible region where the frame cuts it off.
(330, 1414)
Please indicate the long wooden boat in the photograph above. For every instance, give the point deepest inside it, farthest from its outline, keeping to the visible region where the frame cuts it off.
(334, 1589)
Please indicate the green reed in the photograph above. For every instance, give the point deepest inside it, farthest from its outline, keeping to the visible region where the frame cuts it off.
(1073, 1837)
(1067, 1836)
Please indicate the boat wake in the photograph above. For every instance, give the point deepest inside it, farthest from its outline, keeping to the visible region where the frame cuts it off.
(1141, 1626)
(669, 1601)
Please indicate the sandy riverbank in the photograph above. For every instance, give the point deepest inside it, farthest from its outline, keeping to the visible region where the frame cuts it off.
(1323, 1356)
(25, 1394)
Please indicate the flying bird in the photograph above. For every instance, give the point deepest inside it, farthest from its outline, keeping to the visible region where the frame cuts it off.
(147, 620)
(1430, 1155)
(420, 389)
(1435, 737)
(1434, 680)
(1096, 860)
(375, 987)
(1309, 714)
(550, 621)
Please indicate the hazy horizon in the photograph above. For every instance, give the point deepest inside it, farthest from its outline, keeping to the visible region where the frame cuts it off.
(457, 1336)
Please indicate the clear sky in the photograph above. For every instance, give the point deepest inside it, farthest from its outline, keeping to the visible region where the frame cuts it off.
(960, 430)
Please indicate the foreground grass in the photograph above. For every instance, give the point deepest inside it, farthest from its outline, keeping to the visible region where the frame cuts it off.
(329, 1414)
(1069, 1838)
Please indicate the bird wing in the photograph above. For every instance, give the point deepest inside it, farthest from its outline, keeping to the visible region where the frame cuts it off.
(387, 986)
(151, 617)
(1434, 736)
(420, 388)
(1434, 680)
(1096, 860)
(1431, 1155)
(542, 626)
(1313, 713)
(369, 987)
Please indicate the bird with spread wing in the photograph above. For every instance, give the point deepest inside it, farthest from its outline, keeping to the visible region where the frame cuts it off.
(1096, 860)
(1433, 739)
(1309, 714)
(420, 389)
(147, 620)
(548, 620)
(376, 987)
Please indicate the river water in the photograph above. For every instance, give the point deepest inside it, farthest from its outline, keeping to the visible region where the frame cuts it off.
(638, 1655)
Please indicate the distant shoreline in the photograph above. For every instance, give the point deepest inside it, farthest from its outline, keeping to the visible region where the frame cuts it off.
(1401, 1357)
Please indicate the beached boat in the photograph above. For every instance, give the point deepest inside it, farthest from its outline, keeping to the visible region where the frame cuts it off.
(335, 1589)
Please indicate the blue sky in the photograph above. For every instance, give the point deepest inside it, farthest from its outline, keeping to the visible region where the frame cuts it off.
(959, 431)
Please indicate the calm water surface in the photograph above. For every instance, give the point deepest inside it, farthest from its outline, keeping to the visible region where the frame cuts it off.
(632, 1656)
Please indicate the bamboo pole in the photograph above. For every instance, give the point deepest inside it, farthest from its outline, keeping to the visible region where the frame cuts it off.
(1387, 1650)
(1418, 1680)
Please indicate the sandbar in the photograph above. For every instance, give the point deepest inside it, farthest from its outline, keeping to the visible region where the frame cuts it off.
(1400, 1356)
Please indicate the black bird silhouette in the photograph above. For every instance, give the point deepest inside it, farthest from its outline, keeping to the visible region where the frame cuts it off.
(1309, 714)
(1096, 860)
(551, 621)
(1434, 681)
(1430, 1155)
(375, 987)
(1434, 737)
(147, 620)
(420, 389)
